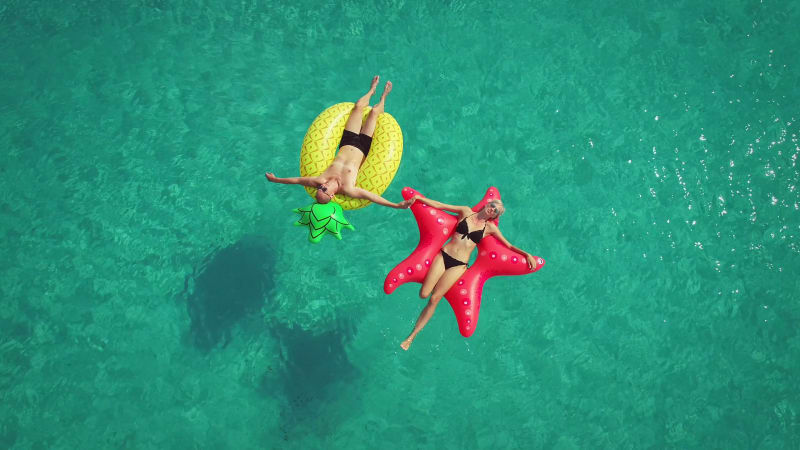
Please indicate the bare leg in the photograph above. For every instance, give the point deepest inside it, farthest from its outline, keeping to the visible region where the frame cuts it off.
(372, 119)
(444, 284)
(432, 277)
(354, 121)
(422, 320)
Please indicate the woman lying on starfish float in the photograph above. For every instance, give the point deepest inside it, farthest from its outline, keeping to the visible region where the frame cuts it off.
(450, 263)
(340, 176)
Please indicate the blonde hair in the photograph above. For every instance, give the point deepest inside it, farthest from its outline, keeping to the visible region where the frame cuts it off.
(498, 205)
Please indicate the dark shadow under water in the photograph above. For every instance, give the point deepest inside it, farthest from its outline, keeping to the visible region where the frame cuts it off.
(230, 284)
(314, 365)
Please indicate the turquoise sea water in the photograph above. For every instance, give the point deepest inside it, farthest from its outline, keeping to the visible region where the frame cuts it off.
(155, 295)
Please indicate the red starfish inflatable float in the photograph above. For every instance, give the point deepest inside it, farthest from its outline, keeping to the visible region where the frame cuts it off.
(494, 258)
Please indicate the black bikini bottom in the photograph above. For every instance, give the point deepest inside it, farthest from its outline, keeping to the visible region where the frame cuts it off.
(449, 261)
(359, 141)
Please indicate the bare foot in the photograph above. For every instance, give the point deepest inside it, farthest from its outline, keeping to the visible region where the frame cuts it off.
(364, 101)
(405, 344)
(386, 89)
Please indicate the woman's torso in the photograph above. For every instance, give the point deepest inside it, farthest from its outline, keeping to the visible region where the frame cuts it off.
(461, 245)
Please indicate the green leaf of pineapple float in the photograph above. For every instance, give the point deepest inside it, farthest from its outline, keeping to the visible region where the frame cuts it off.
(321, 218)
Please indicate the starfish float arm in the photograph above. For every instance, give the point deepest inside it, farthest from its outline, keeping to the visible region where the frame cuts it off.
(464, 210)
(435, 227)
(532, 261)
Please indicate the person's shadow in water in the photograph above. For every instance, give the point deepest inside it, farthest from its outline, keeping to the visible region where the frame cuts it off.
(313, 365)
(229, 285)
(234, 283)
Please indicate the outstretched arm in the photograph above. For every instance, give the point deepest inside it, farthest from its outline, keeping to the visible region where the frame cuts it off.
(305, 181)
(493, 230)
(375, 198)
(461, 210)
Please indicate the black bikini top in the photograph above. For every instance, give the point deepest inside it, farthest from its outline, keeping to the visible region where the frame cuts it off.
(463, 229)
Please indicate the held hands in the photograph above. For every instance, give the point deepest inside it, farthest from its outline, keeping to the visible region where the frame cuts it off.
(405, 204)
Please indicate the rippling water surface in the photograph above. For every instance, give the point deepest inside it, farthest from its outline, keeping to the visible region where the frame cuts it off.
(155, 294)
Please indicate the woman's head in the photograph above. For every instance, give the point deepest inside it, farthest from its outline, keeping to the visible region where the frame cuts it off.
(493, 209)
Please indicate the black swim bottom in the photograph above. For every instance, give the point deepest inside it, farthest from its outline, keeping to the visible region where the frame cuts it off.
(359, 141)
(449, 261)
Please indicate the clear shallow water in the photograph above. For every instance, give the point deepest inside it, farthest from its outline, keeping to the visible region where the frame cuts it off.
(155, 294)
